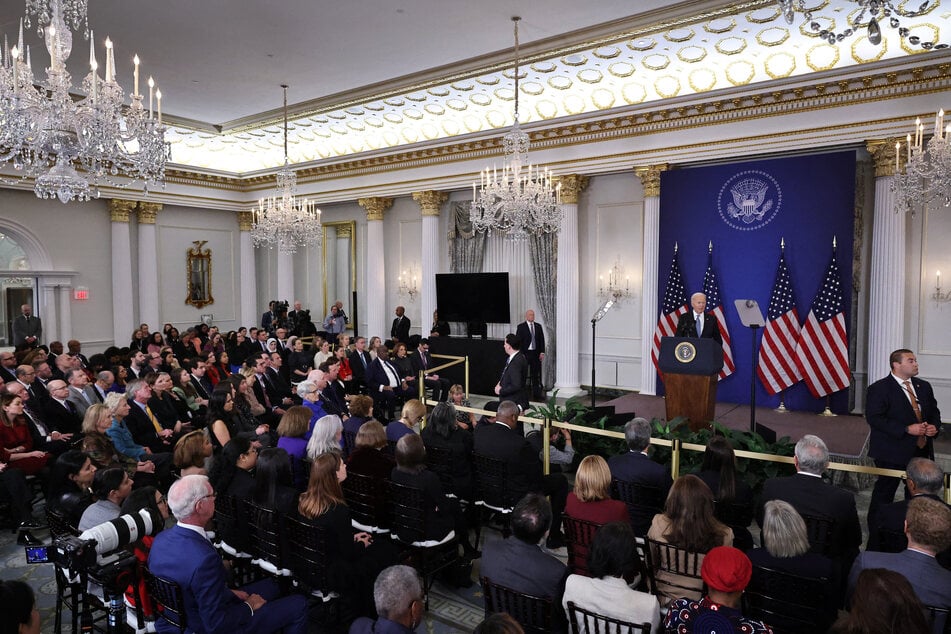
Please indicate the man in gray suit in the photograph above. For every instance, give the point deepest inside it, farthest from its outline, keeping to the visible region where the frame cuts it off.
(27, 328)
(928, 528)
(81, 394)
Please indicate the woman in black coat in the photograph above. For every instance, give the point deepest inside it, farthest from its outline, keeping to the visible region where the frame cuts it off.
(443, 432)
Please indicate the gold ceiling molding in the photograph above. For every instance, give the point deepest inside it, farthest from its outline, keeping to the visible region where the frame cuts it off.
(882, 152)
(827, 93)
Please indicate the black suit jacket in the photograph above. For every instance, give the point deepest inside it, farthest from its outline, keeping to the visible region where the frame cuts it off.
(60, 418)
(377, 376)
(142, 429)
(813, 496)
(524, 467)
(359, 373)
(635, 467)
(203, 390)
(7, 375)
(888, 412)
(400, 328)
(512, 383)
(417, 360)
(525, 336)
(528, 569)
(891, 517)
(687, 327)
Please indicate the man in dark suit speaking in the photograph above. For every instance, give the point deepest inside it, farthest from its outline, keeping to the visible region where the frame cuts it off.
(697, 323)
(902, 411)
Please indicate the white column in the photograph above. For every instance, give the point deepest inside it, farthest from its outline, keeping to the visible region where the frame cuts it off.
(148, 265)
(285, 276)
(248, 285)
(122, 304)
(65, 312)
(329, 268)
(429, 205)
(886, 313)
(51, 320)
(566, 312)
(650, 180)
(374, 303)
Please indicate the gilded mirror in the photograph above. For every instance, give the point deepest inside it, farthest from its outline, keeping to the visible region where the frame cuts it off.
(339, 267)
(198, 275)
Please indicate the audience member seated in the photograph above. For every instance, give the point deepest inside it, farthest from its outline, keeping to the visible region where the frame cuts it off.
(149, 498)
(183, 389)
(399, 600)
(613, 558)
(299, 363)
(444, 432)
(368, 458)
(184, 555)
(500, 441)
(687, 522)
(58, 412)
(457, 397)
(810, 495)
(254, 407)
(245, 421)
(111, 487)
(518, 562)
(231, 470)
(16, 439)
(361, 411)
(385, 384)
(142, 423)
(928, 528)
(883, 602)
(718, 471)
(326, 437)
(726, 571)
(192, 452)
(291, 431)
(443, 514)
(924, 478)
(15, 491)
(219, 421)
(786, 548)
(18, 611)
(334, 393)
(70, 480)
(163, 403)
(355, 559)
(309, 393)
(100, 448)
(272, 482)
(635, 466)
(408, 423)
(591, 498)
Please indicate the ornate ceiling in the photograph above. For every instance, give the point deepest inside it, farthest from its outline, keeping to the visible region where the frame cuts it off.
(722, 50)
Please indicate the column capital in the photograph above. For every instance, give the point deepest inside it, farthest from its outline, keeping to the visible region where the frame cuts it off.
(147, 212)
(375, 207)
(650, 178)
(883, 155)
(245, 220)
(571, 187)
(119, 209)
(429, 201)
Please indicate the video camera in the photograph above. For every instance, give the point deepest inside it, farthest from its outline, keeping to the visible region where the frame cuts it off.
(96, 552)
(280, 308)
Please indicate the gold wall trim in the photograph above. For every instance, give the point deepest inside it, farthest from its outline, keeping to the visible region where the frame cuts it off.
(430, 201)
(571, 187)
(119, 209)
(147, 212)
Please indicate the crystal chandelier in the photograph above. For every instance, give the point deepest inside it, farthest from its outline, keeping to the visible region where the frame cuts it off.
(283, 220)
(522, 200)
(866, 14)
(69, 146)
(927, 175)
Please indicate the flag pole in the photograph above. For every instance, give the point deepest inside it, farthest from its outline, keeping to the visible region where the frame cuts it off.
(782, 403)
(828, 411)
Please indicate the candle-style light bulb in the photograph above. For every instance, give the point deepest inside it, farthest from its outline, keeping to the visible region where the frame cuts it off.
(158, 99)
(151, 94)
(108, 59)
(135, 75)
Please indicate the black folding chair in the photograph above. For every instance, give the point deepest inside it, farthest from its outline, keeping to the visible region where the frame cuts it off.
(168, 599)
(534, 614)
(586, 622)
(366, 498)
(491, 491)
(578, 537)
(265, 540)
(643, 502)
(788, 602)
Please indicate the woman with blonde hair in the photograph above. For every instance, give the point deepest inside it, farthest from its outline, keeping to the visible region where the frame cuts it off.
(410, 417)
(591, 498)
(687, 522)
(101, 450)
(191, 453)
(354, 560)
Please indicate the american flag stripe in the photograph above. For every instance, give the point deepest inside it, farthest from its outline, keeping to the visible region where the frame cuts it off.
(711, 288)
(728, 366)
(777, 366)
(666, 327)
(822, 353)
(674, 305)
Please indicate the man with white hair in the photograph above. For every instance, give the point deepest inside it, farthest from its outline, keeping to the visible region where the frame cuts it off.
(814, 498)
(398, 595)
(697, 323)
(185, 555)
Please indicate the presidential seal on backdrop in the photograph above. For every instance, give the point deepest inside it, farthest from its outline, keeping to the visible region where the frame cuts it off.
(749, 200)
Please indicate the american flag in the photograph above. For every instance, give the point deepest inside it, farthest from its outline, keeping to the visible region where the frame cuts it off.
(675, 305)
(777, 367)
(822, 353)
(712, 290)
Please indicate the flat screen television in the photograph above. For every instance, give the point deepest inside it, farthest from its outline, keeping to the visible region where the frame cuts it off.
(473, 297)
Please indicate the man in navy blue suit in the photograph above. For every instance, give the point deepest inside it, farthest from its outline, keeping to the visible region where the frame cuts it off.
(635, 466)
(183, 554)
(697, 323)
(902, 411)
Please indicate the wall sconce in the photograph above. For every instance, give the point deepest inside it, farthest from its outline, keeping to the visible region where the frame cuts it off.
(614, 287)
(938, 296)
(408, 284)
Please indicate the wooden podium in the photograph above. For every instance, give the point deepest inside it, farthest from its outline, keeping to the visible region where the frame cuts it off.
(691, 367)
